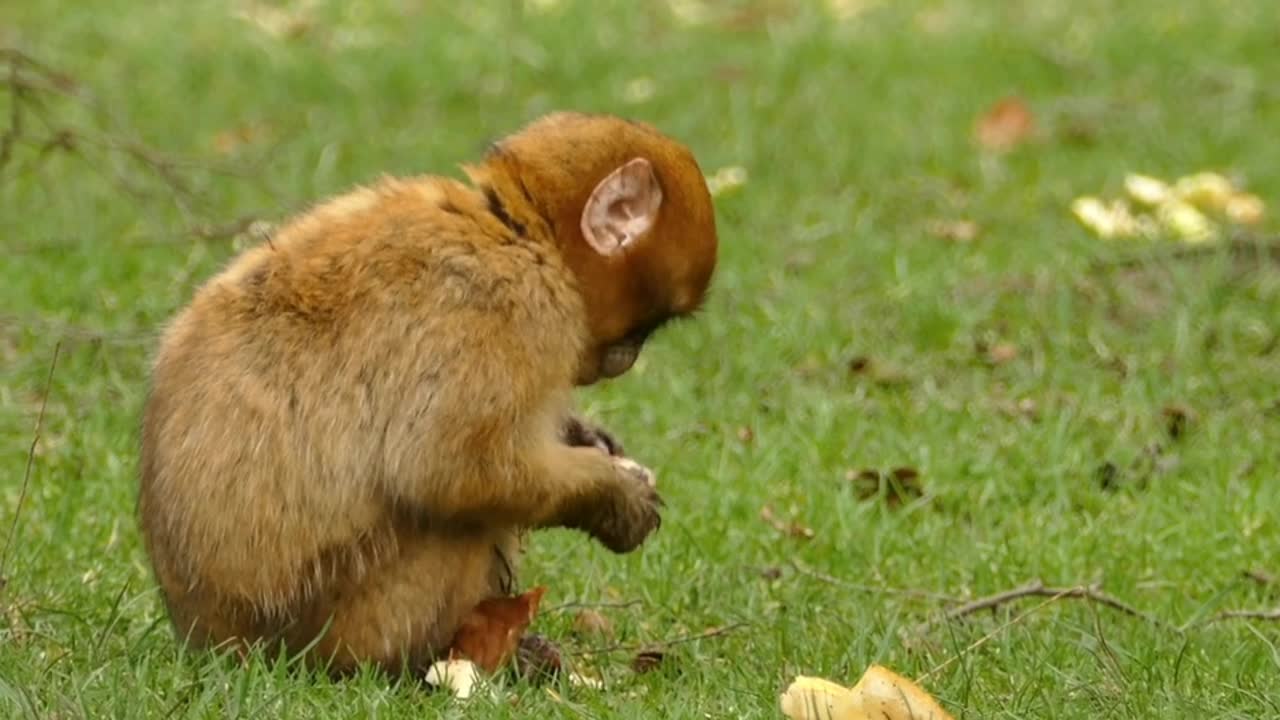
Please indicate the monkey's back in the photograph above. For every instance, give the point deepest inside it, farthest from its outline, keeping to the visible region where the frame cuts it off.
(303, 384)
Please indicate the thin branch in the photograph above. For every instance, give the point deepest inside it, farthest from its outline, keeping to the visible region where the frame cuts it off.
(31, 458)
(635, 647)
(576, 604)
(254, 226)
(873, 589)
(1236, 246)
(75, 333)
(1272, 614)
(987, 638)
(1037, 588)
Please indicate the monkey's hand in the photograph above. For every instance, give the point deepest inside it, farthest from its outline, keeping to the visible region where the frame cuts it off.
(630, 512)
(579, 433)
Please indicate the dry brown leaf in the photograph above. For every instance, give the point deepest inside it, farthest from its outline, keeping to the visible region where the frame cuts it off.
(1002, 353)
(792, 528)
(592, 623)
(490, 635)
(230, 140)
(647, 661)
(959, 231)
(901, 484)
(1176, 418)
(1005, 125)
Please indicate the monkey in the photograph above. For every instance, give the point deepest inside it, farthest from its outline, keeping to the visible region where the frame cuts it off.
(351, 428)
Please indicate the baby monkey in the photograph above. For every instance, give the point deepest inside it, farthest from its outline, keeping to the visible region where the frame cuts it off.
(350, 427)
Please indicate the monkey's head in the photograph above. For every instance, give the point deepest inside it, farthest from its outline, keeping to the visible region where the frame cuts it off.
(632, 217)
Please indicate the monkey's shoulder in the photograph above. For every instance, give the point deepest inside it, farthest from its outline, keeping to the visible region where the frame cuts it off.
(426, 245)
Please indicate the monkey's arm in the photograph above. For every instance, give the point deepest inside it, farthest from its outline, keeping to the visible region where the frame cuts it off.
(491, 446)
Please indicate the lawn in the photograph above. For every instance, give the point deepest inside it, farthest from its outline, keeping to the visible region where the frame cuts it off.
(1067, 408)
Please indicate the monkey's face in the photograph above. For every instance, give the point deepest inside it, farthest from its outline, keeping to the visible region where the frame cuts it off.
(634, 223)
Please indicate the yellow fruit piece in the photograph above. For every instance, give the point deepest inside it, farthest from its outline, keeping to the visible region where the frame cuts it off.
(881, 694)
(1187, 222)
(888, 695)
(1206, 191)
(811, 698)
(1147, 190)
(1245, 209)
(1107, 221)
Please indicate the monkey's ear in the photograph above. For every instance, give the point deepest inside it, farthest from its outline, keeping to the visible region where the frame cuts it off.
(622, 207)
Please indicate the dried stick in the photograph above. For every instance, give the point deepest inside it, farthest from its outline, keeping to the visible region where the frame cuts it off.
(581, 604)
(1273, 614)
(986, 638)
(31, 458)
(1037, 588)
(693, 637)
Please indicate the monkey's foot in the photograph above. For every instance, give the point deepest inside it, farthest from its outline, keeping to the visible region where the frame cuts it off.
(537, 659)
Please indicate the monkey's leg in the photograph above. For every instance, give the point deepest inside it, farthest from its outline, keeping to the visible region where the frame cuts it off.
(402, 613)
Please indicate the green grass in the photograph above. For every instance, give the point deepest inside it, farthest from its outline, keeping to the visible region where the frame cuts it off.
(855, 135)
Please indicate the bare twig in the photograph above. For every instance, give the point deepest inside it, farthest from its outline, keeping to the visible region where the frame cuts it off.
(987, 638)
(873, 589)
(1240, 246)
(252, 225)
(1272, 614)
(1037, 588)
(14, 130)
(577, 604)
(634, 647)
(75, 333)
(31, 457)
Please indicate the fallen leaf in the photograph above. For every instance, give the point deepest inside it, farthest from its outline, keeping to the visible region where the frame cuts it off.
(647, 661)
(726, 180)
(1002, 353)
(1107, 476)
(231, 140)
(639, 90)
(899, 485)
(880, 694)
(960, 231)
(592, 623)
(490, 635)
(792, 528)
(1176, 418)
(1004, 126)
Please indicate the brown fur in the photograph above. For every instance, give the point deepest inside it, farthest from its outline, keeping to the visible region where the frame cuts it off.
(349, 427)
